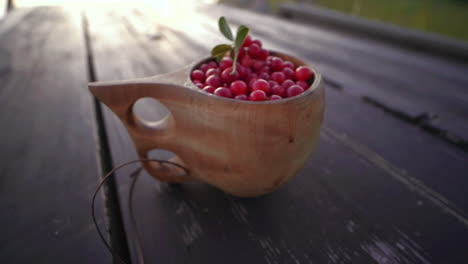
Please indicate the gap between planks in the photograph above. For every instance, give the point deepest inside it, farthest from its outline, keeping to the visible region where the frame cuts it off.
(117, 235)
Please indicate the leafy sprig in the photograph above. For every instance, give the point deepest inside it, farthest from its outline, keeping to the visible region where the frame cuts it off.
(220, 50)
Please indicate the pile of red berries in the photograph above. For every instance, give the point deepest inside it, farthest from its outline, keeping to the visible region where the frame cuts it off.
(258, 76)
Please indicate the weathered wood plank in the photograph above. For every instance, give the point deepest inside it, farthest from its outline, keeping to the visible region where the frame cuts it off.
(48, 149)
(348, 205)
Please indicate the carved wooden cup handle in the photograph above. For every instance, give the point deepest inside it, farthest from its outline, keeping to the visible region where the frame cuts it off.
(120, 97)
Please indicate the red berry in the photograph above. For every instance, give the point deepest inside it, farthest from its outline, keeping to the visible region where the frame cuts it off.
(212, 71)
(226, 62)
(251, 76)
(209, 89)
(261, 84)
(212, 64)
(288, 64)
(199, 85)
(276, 64)
(213, 80)
(204, 67)
(303, 73)
(254, 50)
(272, 83)
(248, 71)
(268, 60)
(247, 61)
(247, 41)
(278, 90)
(275, 97)
(294, 90)
(238, 87)
(287, 83)
(251, 82)
(223, 91)
(227, 77)
(258, 42)
(278, 77)
(258, 95)
(263, 54)
(264, 76)
(241, 69)
(264, 69)
(198, 75)
(288, 72)
(258, 64)
(242, 53)
(302, 84)
(241, 97)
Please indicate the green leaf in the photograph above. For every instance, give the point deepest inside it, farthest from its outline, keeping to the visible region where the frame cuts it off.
(242, 33)
(224, 28)
(220, 50)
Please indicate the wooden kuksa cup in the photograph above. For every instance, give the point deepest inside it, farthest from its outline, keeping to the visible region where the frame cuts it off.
(244, 148)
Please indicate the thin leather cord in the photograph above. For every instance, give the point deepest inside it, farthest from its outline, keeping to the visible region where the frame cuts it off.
(134, 232)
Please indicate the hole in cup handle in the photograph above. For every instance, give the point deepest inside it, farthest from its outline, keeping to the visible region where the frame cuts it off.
(166, 172)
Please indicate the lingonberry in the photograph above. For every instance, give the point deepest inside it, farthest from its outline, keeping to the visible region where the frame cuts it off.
(204, 67)
(254, 50)
(209, 89)
(251, 82)
(288, 72)
(258, 64)
(278, 77)
(261, 84)
(302, 84)
(242, 53)
(198, 75)
(213, 80)
(224, 92)
(258, 95)
(294, 90)
(212, 71)
(287, 83)
(212, 64)
(226, 62)
(263, 54)
(241, 69)
(264, 76)
(277, 90)
(272, 83)
(247, 61)
(275, 97)
(303, 73)
(241, 97)
(276, 63)
(247, 41)
(288, 64)
(258, 42)
(238, 87)
(228, 77)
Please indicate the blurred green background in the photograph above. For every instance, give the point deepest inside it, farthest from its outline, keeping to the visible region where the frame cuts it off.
(445, 17)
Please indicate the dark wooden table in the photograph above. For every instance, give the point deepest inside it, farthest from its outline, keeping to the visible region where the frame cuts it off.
(387, 182)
